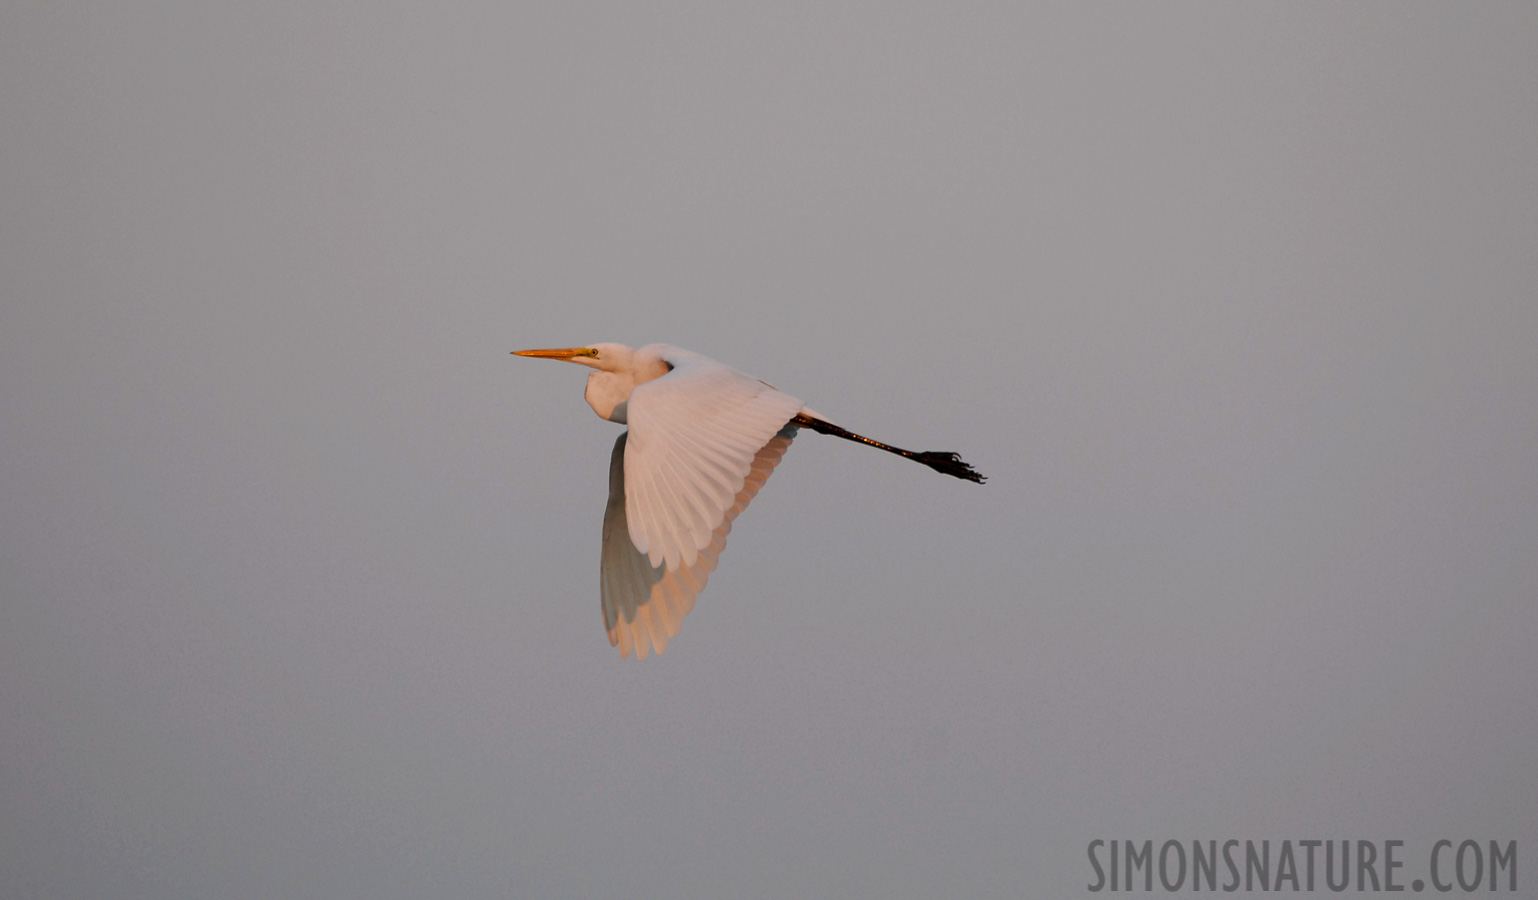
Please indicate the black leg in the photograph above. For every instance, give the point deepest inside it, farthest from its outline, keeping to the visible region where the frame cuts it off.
(949, 463)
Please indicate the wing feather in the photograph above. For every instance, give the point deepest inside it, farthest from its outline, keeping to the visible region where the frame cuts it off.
(644, 605)
(694, 435)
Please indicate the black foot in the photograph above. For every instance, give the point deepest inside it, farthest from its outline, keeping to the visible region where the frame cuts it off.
(950, 464)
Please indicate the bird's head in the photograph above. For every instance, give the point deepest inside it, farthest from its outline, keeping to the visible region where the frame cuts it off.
(617, 372)
(605, 357)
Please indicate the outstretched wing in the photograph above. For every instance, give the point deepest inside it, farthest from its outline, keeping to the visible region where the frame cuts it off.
(694, 434)
(644, 605)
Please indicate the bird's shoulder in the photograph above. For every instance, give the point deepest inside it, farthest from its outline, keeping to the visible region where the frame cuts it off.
(701, 388)
(685, 368)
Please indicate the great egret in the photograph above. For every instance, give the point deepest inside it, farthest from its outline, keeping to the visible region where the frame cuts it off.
(702, 439)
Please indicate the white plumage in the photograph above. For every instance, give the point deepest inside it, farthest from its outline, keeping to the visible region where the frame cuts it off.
(644, 605)
(693, 435)
(703, 438)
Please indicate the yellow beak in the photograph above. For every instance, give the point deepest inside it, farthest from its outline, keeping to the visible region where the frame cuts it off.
(566, 353)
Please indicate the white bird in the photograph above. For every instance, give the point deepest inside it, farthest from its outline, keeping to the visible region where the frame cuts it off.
(702, 439)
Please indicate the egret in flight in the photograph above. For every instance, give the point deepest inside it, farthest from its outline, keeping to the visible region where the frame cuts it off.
(702, 439)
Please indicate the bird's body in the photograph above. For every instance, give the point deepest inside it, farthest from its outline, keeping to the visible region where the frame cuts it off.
(702, 440)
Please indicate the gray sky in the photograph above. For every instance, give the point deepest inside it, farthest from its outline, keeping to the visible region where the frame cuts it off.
(1235, 305)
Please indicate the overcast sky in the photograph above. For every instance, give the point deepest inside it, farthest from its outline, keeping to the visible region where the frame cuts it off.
(1234, 304)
